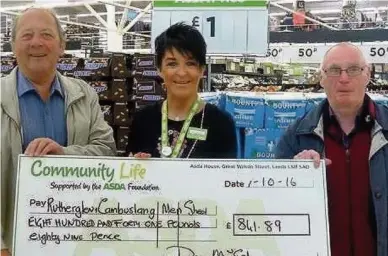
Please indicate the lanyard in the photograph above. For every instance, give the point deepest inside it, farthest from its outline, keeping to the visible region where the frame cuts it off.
(166, 150)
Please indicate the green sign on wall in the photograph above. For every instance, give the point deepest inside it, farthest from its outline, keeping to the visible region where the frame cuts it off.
(210, 3)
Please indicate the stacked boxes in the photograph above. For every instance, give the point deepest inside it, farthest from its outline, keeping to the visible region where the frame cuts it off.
(262, 118)
(147, 85)
(103, 90)
(7, 65)
(119, 90)
(213, 98)
(118, 67)
(261, 143)
(87, 69)
(93, 68)
(120, 97)
(281, 109)
(66, 66)
(108, 76)
(96, 72)
(121, 114)
(218, 100)
(147, 92)
(122, 133)
(247, 109)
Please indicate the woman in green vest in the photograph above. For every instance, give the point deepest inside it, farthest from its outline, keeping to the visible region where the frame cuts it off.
(182, 126)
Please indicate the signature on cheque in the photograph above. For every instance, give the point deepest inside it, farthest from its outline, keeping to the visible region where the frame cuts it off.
(179, 251)
(185, 251)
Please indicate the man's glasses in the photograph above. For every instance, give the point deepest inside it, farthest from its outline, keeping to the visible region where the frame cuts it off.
(351, 71)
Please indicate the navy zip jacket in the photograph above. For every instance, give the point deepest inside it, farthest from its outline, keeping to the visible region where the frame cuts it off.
(307, 133)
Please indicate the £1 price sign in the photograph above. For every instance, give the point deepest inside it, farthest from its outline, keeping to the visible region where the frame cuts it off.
(228, 26)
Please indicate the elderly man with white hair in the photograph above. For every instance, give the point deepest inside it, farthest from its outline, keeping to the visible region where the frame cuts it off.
(43, 112)
(350, 132)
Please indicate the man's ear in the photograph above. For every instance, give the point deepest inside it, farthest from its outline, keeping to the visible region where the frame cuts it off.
(320, 76)
(63, 47)
(13, 47)
(368, 74)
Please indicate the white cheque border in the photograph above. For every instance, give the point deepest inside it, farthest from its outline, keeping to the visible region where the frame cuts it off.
(322, 167)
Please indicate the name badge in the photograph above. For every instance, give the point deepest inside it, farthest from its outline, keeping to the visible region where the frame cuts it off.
(197, 133)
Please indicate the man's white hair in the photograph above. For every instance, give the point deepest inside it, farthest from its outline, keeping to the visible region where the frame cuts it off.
(344, 44)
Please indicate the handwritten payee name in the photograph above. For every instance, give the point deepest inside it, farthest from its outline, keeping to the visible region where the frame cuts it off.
(79, 209)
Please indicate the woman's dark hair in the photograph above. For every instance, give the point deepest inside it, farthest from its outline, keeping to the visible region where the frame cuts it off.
(185, 39)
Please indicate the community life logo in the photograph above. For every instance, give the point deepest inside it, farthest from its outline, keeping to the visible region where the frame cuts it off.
(112, 178)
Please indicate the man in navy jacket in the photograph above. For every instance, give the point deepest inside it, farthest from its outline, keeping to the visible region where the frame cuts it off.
(350, 132)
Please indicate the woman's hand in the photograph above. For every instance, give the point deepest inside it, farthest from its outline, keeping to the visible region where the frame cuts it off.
(140, 155)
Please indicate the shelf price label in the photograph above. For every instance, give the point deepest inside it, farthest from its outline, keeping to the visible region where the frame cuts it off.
(307, 52)
(304, 53)
(231, 27)
(313, 53)
(274, 54)
(377, 53)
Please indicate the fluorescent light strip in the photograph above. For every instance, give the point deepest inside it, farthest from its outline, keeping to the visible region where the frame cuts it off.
(100, 13)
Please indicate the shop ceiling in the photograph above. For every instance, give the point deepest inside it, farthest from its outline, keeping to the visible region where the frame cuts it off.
(331, 9)
(325, 9)
(70, 9)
